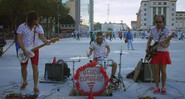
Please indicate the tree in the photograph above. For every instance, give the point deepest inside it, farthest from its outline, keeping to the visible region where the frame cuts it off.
(13, 12)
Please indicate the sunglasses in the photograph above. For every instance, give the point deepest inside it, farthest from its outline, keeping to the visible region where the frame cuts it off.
(158, 22)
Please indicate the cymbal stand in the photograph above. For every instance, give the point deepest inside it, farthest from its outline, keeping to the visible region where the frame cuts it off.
(73, 61)
(120, 78)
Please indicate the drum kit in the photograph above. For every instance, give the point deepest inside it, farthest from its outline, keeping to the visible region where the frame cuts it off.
(104, 62)
(101, 62)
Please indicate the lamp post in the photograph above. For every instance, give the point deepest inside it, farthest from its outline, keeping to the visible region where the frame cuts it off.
(122, 25)
(58, 17)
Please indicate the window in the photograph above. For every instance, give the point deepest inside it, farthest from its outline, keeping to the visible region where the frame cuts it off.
(165, 3)
(159, 11)
(173, 4)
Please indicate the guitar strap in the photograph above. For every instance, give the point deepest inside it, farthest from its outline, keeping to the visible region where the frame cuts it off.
(161, 34)
(34, 41)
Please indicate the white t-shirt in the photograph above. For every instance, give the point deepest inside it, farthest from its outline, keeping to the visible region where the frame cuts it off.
(99, 50)
(28, 38)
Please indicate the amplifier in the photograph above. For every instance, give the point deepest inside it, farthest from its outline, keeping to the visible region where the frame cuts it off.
(148, 75)
(54, 71)
(137, 71)
(144, 72)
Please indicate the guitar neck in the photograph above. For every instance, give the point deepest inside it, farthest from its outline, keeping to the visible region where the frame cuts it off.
(42, 45)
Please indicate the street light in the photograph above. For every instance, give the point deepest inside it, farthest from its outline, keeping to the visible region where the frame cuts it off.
(58, 17)
(122, 25)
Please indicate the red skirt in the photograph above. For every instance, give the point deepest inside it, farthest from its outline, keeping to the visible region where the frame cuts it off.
(161, 58)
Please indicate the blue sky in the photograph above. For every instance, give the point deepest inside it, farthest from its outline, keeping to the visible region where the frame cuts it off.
(118, 10)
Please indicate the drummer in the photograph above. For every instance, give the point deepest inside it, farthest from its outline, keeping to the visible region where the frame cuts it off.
(100, 48)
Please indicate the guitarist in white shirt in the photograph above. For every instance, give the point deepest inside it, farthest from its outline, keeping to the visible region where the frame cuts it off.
(162, 35)
(28, 34)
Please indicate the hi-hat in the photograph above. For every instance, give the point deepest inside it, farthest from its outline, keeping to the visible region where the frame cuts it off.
(79, 57)
(118, 52)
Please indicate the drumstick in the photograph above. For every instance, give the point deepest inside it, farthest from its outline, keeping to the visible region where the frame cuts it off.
(87, 54)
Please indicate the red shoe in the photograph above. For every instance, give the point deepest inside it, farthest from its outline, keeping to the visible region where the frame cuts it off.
(23, 86)
(157, 90)
(35, 90)
(163, 91)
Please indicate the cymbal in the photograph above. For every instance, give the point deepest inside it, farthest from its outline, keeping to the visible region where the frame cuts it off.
(118, 52)
(78, 57)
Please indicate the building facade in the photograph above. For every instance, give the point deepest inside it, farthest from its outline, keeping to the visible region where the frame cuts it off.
(71, 5)
(149, 8)
(114, 27)
(180, 21)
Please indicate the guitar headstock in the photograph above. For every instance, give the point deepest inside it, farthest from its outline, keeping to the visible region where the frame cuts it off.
(54, 40)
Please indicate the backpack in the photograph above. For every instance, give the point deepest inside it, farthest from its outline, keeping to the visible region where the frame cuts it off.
(66, 68)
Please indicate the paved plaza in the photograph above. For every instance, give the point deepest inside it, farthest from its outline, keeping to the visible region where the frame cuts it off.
(10, 71)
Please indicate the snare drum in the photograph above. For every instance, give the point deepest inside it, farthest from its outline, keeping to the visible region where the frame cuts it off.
(104, 62)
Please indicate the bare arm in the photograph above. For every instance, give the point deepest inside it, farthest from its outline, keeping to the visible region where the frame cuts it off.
(148, 44)
(19, 40)
(90, 52)
(167, 43)
(43, 38)
(108, 51)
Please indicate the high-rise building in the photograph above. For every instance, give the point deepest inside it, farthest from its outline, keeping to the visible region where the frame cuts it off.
(71, 5)
(91, 15)
(77, 15)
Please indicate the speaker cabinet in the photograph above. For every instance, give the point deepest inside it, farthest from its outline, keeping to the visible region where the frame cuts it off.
(148, 75)
(144, 72)
(54, 72)
(137, 71)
